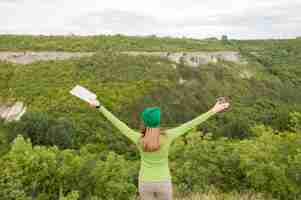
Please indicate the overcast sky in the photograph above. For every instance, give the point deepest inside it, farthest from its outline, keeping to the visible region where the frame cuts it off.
(240, 19)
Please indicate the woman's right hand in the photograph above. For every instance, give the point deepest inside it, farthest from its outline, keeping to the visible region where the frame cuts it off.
(94, 102)
(221, 105)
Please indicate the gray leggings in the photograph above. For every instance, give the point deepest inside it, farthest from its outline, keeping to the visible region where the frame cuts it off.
(161, 190)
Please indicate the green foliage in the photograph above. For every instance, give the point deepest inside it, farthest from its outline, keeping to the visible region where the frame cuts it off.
(6, 73)
(33, 169)
(105, 42)
(44, 130)
(10, 186)
(127, 84)
(215, 194)
(224, 37)
(268, 163)
(4, 141)
(295, 121)
(73, 195)
(200, 163)
(47, 173)
(229, 151)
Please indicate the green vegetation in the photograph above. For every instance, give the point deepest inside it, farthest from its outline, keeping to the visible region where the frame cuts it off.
(66, 150)
(42, 129)
(269, 164)
(95, 43)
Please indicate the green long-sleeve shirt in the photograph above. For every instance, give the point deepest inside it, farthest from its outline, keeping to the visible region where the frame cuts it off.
(154, 165)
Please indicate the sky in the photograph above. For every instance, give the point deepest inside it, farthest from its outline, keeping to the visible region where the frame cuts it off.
(238, 19)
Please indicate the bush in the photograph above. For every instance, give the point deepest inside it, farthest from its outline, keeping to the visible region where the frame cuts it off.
(4, 146)
(237, 128)
(61, 133)
(265, 161)
(10, 186)
(49, 174)
(268, 163)
(295, 121)
(198, 164)
(42, 129)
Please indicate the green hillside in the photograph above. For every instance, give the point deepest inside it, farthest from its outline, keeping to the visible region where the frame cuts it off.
(265, 107)
(116, 42)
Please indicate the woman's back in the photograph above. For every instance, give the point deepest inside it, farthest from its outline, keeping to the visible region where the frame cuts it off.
(154, 165)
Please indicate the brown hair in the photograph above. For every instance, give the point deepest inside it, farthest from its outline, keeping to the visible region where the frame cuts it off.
(150, 138)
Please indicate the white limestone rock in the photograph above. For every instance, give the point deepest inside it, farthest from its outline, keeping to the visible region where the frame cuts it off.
(13, 112)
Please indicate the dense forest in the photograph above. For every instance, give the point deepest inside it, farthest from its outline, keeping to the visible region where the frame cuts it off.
(62, 149)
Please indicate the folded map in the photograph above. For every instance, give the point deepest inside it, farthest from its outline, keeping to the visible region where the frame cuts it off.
(83, 93)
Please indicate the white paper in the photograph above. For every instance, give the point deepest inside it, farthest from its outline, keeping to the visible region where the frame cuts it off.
(83, 93)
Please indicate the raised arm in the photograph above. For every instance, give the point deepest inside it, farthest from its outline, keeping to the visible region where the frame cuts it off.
(123, 128)
(184, 128)
(220, 106)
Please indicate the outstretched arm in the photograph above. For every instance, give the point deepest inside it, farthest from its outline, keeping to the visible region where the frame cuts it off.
(184, 128)
(220, 106)
(121, 126)
(124, 129)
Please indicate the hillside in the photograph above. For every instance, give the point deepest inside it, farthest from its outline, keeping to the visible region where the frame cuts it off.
(116, 42)
(264, 90)
(271, 75)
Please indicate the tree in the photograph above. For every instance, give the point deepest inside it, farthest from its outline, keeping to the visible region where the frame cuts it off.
(224, 38)
(44, 130)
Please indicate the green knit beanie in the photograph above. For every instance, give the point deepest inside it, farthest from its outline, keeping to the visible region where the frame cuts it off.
(151, 117)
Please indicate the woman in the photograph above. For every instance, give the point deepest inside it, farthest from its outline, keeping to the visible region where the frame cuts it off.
(154, 175)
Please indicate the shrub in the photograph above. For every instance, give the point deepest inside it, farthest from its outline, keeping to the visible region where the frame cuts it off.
(295, 121)
(46, 173)
(199, 163)
(44, 130)
(267, 163)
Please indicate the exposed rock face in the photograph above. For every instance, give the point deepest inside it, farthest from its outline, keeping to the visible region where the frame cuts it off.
(29, 57)
(12, 113)
(195, 59)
